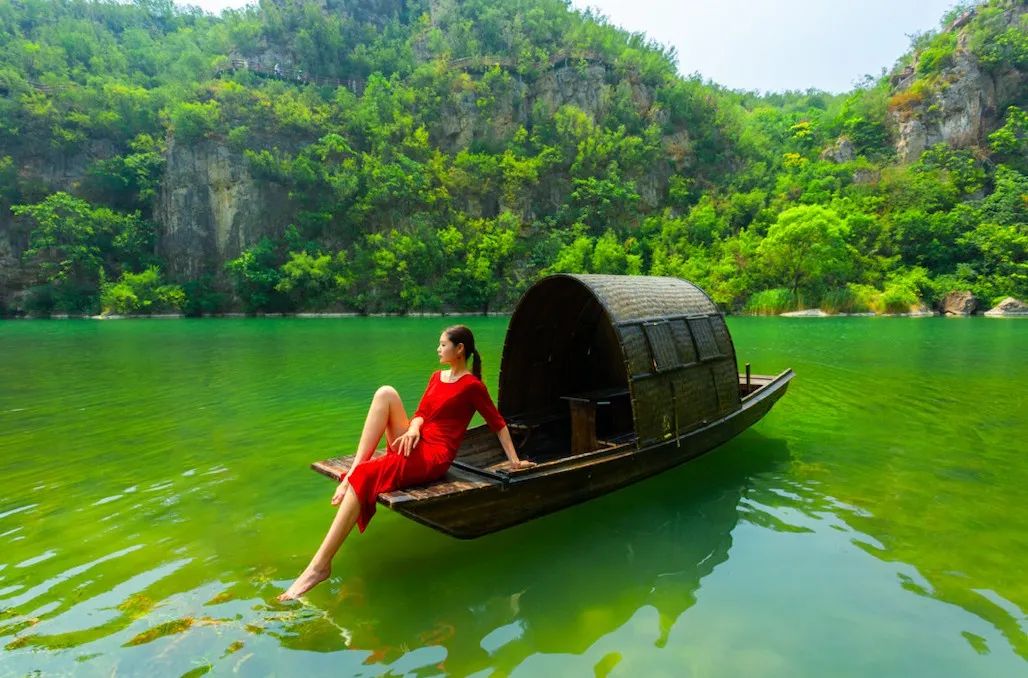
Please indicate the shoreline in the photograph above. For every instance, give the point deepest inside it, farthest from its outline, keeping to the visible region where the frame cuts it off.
(809, 313)
(183, 316)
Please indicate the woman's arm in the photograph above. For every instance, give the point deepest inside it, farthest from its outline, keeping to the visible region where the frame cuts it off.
(508, 448)
(493, 419)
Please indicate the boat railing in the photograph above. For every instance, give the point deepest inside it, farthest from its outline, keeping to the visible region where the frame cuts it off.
(604, 448)
(750, 384)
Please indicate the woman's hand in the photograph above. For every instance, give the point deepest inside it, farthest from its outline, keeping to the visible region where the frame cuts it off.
(340, 492)
(522, 463)
(405, 444)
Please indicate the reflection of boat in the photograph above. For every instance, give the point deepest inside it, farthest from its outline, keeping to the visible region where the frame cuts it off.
(606, 380)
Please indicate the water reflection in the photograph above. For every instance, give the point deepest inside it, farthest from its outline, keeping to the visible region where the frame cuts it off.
(577, 590)
(554, 585)
(789, 506)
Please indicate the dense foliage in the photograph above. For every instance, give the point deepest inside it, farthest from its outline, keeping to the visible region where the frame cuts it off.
(750, 196)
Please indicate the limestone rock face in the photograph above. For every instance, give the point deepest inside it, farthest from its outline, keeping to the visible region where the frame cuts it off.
(211, 208)
(9, 270)
(56, 171)
(590, 86)
(1007, 307)
(970, 102)
(959, 303)
(960, 115)
(841, 151)
(463, 121)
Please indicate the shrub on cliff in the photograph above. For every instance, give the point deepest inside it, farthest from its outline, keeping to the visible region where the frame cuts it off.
(142, 292)
(73, 245)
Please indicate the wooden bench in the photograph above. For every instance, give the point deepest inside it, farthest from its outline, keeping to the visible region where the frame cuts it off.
(583, 415)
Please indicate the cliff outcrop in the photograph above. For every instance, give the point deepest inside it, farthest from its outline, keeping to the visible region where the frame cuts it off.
(589, 85)
(210, 208)
(963, 102)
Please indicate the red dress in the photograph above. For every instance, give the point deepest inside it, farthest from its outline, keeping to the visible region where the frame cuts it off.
(447, 409)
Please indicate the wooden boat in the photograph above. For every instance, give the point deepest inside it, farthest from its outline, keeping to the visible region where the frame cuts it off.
(604, 380)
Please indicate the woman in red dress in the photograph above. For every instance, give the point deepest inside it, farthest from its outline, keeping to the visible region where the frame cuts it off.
(419, 450)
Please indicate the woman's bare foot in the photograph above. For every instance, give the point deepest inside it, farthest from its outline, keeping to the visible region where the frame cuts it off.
(310, 578)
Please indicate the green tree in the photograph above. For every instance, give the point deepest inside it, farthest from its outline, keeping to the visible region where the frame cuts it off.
(72, 243)
(255, 275)
(396, 272)
(806, 248)
(607, 202)
(487, 262)
(1010, 141)
(576, 255)
(614, 257)
(315, 280)
(192, 121)
(1003, 259)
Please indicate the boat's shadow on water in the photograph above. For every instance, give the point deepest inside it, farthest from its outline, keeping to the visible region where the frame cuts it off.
(553, 585)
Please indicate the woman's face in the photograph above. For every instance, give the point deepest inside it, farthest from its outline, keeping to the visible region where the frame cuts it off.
(448, 351)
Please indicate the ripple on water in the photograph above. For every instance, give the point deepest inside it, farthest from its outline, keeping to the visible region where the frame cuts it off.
(67, 575)
(501, 636)
(104, 608)
(16, 510)
(46, 555)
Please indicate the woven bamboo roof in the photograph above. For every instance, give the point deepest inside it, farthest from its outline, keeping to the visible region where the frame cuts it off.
(661, 338)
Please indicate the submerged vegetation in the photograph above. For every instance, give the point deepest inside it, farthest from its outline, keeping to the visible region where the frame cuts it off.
(356, 110)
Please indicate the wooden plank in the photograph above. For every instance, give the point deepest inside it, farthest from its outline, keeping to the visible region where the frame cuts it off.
(583, 426)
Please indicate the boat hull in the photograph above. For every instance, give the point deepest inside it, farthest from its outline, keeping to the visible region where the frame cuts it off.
(498, 505)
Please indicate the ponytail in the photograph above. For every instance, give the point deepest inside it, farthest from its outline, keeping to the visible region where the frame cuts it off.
(476, 365)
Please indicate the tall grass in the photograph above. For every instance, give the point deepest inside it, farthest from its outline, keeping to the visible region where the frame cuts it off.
(901, 295)
(773, 302)
(849, 299)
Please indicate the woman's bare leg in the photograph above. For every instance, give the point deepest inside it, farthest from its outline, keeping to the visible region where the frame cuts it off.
(386, 415)
(320, 566)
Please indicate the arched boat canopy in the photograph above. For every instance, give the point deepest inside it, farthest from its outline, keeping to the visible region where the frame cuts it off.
(661, 339)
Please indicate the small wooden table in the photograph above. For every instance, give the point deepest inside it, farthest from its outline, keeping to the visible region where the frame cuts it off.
(583, 416)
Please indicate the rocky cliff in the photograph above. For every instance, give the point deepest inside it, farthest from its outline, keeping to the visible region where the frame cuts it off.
(210, 208)
(964, 103)
(45, 170)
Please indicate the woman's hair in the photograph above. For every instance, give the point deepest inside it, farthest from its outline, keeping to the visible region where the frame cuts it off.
(459, 334)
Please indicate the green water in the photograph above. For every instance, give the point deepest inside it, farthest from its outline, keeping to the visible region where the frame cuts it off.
(155, 496)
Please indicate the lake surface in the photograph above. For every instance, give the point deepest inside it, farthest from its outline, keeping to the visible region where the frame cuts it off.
(155, 496)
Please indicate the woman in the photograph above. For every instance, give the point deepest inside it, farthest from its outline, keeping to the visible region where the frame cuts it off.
(419, 450)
